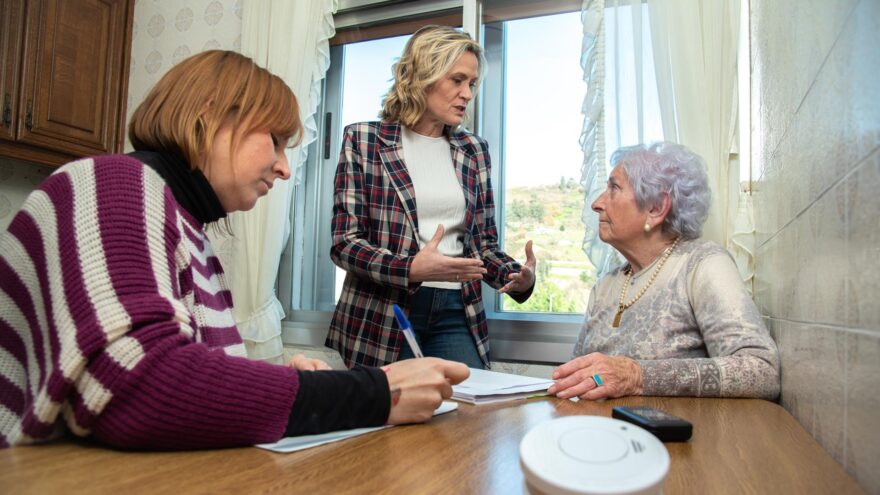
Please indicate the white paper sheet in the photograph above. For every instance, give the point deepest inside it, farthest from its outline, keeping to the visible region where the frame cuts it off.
(489, 386)
(293, 444)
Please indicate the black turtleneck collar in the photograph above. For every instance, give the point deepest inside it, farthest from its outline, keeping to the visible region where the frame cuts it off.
(190, 187)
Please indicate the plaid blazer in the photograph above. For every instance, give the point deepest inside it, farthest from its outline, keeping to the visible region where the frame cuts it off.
(375, 226)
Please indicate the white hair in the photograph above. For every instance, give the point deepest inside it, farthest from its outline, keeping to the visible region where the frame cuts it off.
(668, 168)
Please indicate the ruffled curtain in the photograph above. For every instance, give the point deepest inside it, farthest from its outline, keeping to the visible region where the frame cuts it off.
(621, 99)
(693, 50)
(742, 240)
(594, 172)
(291, 40)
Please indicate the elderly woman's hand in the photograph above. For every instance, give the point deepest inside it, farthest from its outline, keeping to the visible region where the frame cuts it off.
(525, 278)
(303, 363)
(620, 376)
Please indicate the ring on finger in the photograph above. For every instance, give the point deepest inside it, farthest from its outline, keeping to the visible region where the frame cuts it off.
(597, 379)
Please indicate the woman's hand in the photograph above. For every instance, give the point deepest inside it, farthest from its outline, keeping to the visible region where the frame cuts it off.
(525, 278)
(620, 376)
(429, 265)
(418, 386)
(303, 363)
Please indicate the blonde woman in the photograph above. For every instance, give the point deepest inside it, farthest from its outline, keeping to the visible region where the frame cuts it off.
(115, 318)
(413, 218)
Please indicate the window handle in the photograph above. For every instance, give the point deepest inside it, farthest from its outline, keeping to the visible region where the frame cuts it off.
(328, 124)
(29, 116)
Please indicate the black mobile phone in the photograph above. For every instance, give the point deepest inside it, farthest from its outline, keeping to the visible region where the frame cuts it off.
(666, 427)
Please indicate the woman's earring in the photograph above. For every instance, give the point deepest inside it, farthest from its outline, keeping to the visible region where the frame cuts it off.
(647, 227)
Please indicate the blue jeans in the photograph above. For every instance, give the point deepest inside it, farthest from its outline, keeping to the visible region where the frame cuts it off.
(440, 325)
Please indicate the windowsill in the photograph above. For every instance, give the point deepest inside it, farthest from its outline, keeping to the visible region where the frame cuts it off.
(519, 340)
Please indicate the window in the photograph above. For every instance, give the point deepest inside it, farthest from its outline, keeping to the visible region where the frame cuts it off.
(532, 108)
(529, 110)
(358, 78)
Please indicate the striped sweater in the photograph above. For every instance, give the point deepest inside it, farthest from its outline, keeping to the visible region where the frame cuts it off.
(130, 341)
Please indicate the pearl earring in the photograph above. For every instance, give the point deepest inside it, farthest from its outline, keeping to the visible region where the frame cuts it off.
(647, 227)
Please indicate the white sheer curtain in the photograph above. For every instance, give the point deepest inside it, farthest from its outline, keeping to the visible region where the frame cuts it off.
(594, 172)
(695, 48)
(665, 69)
(291, 40)
(621, 107)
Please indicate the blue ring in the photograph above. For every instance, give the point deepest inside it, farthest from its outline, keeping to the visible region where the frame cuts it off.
(597, 379)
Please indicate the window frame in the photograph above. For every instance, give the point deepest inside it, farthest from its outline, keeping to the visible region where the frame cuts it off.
(491, 122)
(546, 338)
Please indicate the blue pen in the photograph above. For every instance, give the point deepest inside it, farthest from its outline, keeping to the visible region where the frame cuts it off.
(407, 331)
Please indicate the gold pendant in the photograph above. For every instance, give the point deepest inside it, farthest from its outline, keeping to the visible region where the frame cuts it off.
(616, 322)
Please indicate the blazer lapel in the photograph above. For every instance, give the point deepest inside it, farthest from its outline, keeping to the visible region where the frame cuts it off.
(395, 169)
(466, 171)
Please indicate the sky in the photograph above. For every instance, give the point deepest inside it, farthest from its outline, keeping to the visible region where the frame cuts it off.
(367, 77)
(545, 92)
(544, 95)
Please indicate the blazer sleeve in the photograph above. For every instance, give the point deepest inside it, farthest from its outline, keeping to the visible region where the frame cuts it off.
(352, 250)
(498, 263)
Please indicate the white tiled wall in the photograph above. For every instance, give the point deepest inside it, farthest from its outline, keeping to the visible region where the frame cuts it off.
(816, 135)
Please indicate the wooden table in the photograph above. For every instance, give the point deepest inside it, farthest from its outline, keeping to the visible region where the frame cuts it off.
(738, 446)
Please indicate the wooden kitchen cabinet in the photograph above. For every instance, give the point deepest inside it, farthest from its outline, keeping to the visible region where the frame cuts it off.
(64, 85)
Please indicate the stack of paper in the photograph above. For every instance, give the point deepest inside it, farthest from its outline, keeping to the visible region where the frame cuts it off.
(489, 386)
(293, 444)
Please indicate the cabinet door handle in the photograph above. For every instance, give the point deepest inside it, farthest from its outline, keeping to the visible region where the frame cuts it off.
(7, 110)
(29, 116)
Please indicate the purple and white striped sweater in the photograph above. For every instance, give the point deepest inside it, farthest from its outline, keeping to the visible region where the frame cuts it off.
(130, 341)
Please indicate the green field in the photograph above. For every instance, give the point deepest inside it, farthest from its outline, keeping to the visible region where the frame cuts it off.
(550, 216)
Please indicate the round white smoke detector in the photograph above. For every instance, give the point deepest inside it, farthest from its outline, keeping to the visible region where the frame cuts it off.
(592, 455)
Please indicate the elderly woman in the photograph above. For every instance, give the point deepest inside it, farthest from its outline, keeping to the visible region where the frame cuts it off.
(413, 218)
(676, 318)
(115, 318)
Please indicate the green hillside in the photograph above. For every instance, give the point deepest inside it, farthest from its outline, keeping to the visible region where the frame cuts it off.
(550, 216)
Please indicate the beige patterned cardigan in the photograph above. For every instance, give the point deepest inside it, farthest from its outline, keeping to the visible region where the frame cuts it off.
(695, 331)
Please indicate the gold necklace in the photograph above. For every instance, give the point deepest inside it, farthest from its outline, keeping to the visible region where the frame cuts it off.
(621, 307)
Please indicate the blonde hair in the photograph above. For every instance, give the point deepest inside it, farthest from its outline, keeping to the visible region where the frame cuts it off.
(186, 108)
(428, 56)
